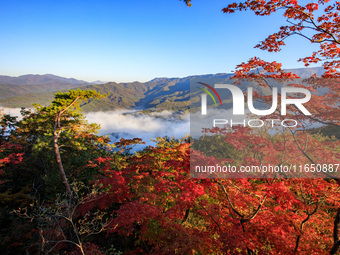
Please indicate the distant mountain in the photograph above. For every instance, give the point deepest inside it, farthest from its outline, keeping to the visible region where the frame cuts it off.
(307, 72)
(159, 93)
(30, 84)
(18, 90)
(98, 82)
(36, 79)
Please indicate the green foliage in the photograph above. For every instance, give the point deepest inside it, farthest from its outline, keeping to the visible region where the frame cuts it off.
(327, 131)
(215, 145)
(38, 170)
(114, 251)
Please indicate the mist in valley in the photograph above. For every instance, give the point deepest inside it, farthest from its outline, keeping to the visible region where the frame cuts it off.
(132, 124)
(128, 124)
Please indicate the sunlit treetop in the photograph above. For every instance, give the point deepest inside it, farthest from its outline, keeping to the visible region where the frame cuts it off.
(187, 2)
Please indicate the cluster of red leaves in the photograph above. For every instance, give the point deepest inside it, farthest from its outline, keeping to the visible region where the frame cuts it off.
(112, 186)
(161, 206)
(324, 104)
(9, 155)
(125, 144)
(258, 68)
(13, 158)
(155, 194)
(286, 216)
(306, 20)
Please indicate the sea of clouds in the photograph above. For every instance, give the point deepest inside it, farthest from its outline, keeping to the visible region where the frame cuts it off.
(128, 124)
(131, 124)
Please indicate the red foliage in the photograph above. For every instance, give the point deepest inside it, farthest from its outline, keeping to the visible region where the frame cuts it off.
(168, 211)
(9, 155)
(305, 19)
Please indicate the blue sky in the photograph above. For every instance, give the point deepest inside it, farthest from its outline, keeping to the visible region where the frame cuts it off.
(117, 40)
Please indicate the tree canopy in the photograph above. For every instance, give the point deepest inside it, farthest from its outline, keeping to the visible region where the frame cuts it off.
(63, 191)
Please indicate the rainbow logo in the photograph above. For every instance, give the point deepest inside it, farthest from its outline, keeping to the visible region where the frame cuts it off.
(209, 93)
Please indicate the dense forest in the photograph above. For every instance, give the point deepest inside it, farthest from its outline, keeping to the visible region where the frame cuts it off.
(66, 190)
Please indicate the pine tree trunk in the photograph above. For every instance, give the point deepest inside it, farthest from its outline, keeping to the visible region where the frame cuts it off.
(56, 135)
(60, 165)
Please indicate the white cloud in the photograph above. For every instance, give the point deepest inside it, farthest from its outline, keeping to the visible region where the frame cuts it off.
(12, 111)
(128, 124)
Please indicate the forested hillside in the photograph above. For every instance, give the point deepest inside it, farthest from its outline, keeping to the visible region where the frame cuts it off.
(159, 93)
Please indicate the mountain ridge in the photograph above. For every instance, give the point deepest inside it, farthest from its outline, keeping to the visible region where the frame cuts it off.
(156, 94)
(38, 79)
